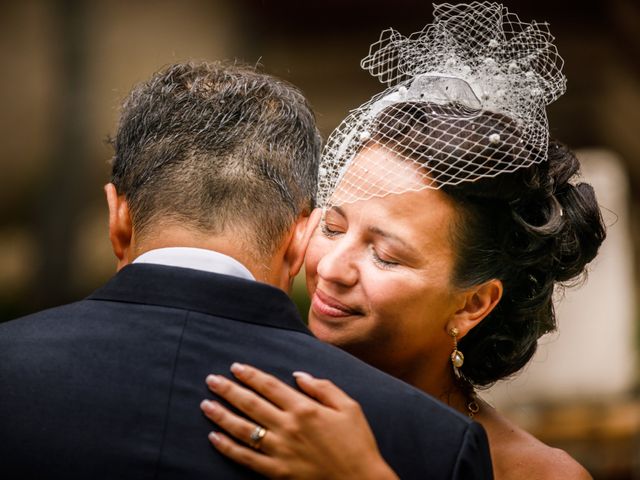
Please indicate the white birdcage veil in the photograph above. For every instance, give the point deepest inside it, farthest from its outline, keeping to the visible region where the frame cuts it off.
(465, 99)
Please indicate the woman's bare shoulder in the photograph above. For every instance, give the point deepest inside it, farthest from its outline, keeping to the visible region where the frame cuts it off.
(537, 461)
(519, 455)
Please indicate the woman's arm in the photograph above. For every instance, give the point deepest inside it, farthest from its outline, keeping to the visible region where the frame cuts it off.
(323, 435)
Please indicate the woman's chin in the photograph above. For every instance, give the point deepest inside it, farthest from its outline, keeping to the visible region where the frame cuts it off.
(337, 332)
(324, 330)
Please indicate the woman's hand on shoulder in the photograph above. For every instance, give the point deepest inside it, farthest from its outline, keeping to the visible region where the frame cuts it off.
(322, 435)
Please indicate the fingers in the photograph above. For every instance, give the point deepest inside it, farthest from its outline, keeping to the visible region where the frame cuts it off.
(324, 391)
(269, 386)
(245, 456)
(237, 426)
(245, 400)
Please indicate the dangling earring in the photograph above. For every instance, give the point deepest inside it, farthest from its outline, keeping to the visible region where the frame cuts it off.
(457, 358)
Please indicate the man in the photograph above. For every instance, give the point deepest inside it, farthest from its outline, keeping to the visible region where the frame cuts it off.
(210, 211)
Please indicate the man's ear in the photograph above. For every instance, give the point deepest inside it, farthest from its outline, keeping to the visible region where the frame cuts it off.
(478, 302)
(303, 230)
(120, 227)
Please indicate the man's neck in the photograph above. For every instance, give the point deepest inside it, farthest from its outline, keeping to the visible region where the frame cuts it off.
(196, 258)
(229, 245)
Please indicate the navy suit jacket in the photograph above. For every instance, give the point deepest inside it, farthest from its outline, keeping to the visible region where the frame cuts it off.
(110, 386)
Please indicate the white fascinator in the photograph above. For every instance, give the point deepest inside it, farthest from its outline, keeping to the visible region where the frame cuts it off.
(465, 99)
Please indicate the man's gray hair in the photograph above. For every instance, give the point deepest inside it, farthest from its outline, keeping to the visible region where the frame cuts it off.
(217, 147)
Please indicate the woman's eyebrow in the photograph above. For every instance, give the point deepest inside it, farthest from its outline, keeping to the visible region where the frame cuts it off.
(378, 231)
(338, 210)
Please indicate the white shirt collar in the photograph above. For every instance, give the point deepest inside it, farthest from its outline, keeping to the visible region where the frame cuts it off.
(196, 258)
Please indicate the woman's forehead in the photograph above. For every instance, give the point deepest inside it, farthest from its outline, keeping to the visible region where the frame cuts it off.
(377, 171)
(422, 217)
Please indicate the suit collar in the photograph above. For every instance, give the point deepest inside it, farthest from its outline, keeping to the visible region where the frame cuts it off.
(204, 292)
(196, 258)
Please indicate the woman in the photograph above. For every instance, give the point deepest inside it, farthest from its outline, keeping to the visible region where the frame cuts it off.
(449, 220)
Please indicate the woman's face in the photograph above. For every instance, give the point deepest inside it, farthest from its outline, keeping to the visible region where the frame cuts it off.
(379, 274)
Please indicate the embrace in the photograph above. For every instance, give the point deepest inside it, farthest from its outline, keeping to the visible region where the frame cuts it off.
(433, 227)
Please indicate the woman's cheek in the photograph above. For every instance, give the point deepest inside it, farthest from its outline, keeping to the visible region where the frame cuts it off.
(390, 294)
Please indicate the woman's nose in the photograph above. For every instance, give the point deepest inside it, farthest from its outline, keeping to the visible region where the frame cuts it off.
(338, 265)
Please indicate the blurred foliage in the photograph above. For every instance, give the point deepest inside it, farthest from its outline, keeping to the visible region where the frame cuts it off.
(299, 295)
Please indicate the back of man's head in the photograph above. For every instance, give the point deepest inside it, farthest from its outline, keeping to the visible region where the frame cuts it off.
(217, 148)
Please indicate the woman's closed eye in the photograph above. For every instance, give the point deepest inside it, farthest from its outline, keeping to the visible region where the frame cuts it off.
(329, 230)
(380, 261)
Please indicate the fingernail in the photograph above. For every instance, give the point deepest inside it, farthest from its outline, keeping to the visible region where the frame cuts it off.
(299, 374)
(214, 437)
(237, 367)
(214, 381)
(208, 406)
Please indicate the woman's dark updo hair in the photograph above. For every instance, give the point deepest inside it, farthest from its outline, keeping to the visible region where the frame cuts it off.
(531, 228)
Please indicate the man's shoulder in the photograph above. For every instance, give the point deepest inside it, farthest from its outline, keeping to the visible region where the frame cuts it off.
(418, 435)
(33, 321)
(372, 387)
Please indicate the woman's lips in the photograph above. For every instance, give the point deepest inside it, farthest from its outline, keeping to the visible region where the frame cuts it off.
(325, 305)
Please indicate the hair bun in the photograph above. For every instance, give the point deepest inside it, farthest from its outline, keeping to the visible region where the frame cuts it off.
(531, 229)
(582, 230)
